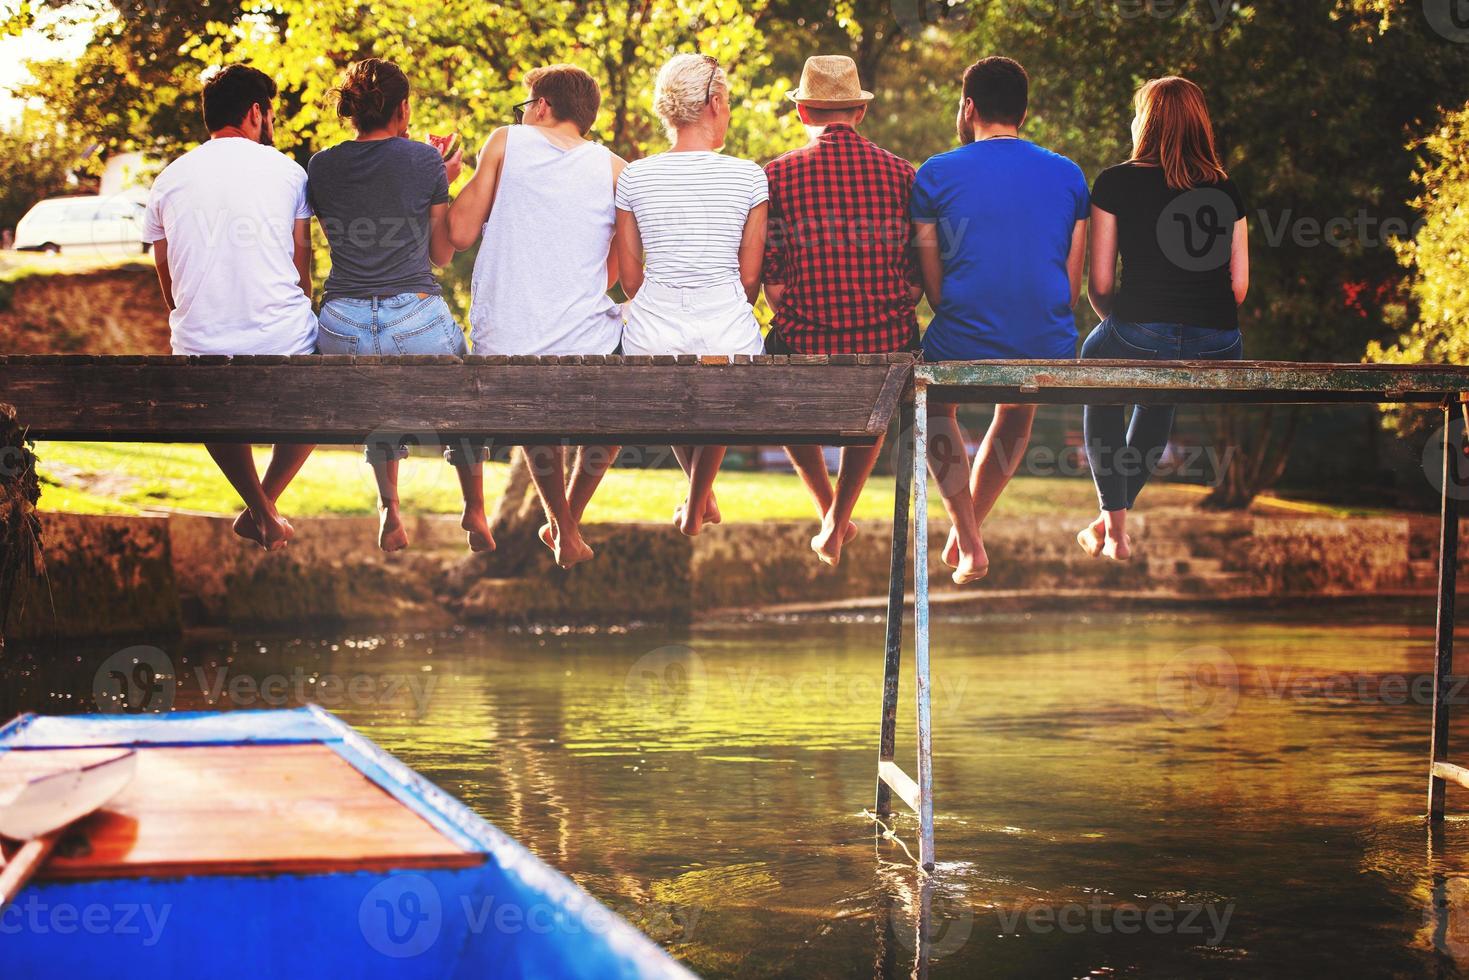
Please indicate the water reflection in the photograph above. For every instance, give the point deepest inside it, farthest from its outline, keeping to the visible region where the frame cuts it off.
(1143, 794)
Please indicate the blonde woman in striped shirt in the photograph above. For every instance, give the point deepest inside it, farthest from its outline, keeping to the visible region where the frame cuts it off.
(690, 238)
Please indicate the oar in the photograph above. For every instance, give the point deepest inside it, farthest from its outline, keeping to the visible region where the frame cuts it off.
(48, 804)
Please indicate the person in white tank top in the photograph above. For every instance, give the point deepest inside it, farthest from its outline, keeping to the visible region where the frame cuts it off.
(542, 196)
(690, 240)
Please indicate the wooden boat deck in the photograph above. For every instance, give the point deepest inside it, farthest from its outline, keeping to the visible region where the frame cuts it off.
(239, 809)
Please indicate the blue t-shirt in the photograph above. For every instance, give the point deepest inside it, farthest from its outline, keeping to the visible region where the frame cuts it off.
(1005, 210)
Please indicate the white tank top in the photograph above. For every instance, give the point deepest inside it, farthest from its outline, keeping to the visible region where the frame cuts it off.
(540, 279)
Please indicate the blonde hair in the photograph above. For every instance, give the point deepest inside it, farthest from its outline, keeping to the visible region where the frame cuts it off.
(684, 87)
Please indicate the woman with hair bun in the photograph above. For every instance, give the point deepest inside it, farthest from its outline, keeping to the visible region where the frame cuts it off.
(690, 239)
(383, 202)
(1178, 224)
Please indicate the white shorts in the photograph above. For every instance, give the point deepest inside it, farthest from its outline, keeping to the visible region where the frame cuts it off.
(698, 320)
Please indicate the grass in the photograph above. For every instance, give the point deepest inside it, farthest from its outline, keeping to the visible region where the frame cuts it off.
(20, 265)
(120, 478)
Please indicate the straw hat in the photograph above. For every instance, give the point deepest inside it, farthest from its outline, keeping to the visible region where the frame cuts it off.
(829, 81)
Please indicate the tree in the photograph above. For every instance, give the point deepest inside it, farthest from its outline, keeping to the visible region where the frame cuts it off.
(1438, 261)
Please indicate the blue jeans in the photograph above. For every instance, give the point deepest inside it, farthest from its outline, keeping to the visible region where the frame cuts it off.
(1123, 457)
(409, 323)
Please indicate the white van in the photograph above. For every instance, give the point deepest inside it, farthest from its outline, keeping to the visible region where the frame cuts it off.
(83, 225)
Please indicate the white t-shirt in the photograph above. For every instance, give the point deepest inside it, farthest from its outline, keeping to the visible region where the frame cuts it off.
(228, 209)
(691, 209)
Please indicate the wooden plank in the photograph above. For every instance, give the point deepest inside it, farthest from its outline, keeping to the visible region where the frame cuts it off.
(241, 809)
(1189, 382)
(1449, 772)
(900, 783)
(513, 403)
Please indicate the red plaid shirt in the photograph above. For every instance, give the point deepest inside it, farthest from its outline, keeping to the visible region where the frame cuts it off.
(840, 242)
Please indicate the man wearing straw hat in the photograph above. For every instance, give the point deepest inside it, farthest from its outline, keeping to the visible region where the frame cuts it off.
(840, 273)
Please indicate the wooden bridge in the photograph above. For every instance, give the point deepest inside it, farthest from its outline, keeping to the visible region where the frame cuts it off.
(836, 400)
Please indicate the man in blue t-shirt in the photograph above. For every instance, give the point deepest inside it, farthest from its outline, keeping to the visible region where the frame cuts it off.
(1001, 232)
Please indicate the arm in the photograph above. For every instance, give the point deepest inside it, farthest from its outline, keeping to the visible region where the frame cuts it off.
(1102, 284)
(930, 261)
(614, 262)
(752, 250)
(471, 209)
(1076, 260)
(302, 235)
(629, 245)
(440, 244)
(165, 278)
(773, 293)
(1239, 261)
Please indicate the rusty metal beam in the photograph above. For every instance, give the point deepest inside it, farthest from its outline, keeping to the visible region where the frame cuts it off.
(1189, 382)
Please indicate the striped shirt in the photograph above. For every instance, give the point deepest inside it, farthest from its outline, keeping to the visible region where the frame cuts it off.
(691, 208)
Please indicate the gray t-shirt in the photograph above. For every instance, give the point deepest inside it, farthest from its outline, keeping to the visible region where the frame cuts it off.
(372, 198)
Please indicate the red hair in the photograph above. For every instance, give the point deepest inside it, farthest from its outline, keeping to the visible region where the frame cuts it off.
(1174, 132)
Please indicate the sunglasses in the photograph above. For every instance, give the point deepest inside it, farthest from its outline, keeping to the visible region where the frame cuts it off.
(519, 109)
(713, 74)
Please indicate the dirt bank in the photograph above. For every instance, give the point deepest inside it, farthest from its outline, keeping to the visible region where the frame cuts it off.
(111, 575)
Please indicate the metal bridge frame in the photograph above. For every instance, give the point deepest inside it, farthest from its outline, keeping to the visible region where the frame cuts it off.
(1131, 383)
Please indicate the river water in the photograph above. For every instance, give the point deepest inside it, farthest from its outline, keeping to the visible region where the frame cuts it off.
(1135, 793)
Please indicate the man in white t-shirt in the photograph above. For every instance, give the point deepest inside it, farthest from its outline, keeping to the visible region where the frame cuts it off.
(230, 230)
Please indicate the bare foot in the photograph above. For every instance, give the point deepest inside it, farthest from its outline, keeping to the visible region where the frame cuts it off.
(570, 549)
(547, 536)
(711, 512)
(1090, 537)
(274, 530)
(827, 548)
(246, 528)
(392, 536)
(1118, 550)
(481, 541)
(951, 549)
(687, 525)
(972, 566)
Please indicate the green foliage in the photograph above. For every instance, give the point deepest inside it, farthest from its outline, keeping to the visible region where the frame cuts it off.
(37, 158)
(1438, 256)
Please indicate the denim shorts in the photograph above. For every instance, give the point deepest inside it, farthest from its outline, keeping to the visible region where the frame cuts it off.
(409, 323)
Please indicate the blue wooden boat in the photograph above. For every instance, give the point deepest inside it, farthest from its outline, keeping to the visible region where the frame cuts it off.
(283, 843)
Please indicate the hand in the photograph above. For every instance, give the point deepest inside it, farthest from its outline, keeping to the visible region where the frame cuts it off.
(455, 165)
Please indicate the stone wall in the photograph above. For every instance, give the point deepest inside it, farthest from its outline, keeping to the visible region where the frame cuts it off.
(111, 575)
